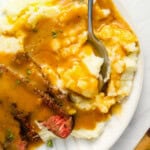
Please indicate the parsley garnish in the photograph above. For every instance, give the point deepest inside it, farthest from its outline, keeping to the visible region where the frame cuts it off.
(54, 34)
(28, 71)
(9, 136)
(49, 143)
(18, 82)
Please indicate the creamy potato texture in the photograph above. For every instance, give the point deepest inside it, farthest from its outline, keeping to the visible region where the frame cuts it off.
(54, 33)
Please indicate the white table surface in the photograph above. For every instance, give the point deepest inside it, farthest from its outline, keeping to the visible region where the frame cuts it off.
(139, 11)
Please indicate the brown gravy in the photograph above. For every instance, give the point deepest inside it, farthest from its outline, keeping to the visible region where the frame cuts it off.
(13, 92)
(89, 119)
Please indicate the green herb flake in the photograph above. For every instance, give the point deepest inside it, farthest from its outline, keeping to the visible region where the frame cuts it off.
(9, 136)
(28, 72)
(49, 143)
(18, 82)
(54, 34)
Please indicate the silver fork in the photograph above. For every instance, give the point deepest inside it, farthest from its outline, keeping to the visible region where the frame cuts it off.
(98, 45)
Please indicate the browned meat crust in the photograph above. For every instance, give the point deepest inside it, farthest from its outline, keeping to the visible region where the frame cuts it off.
(27, 131)
(50, 99)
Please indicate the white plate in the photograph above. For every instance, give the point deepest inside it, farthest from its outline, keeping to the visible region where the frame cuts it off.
(117, 124)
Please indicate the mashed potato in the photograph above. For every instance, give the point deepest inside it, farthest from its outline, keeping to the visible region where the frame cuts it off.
(54, 32)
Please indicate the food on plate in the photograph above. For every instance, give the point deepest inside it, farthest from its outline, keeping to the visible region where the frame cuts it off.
(50, 74)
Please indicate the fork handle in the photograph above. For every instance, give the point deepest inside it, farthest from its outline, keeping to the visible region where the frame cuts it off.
(90, 16)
